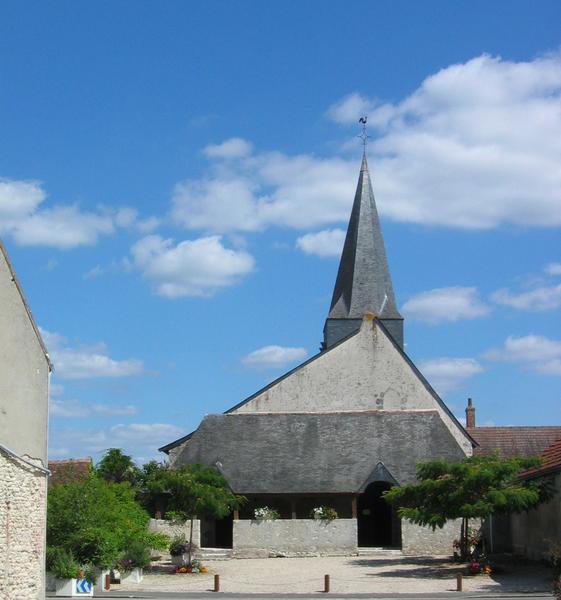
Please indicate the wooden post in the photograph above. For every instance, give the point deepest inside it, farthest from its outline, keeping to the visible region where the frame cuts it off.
(459, 582)
(326, 584)
(354, 507)
(236, 515)
(216, 583)
(292, 508)
(107, 582)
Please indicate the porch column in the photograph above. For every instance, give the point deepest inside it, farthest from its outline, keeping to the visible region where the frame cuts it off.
(354, 510)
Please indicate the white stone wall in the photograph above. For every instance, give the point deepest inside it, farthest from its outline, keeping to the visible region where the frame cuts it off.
(535, 530)
(418, 541)
(365, 372)
(294, 537)
(173, 528)
(23, 492)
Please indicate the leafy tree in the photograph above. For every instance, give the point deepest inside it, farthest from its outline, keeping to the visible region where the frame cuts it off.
(118, 467)
(193, 491)
(475, 487)
(96, 520)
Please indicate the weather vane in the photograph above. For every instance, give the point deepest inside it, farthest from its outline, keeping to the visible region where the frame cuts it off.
(363, 135)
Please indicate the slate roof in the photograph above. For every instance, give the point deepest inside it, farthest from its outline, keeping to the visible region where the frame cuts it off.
(363, 280)
(514, 441)
(318, 452)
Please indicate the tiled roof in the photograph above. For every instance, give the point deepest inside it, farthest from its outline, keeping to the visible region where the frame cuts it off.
(514, 441)
(64, 471)
(551, 460)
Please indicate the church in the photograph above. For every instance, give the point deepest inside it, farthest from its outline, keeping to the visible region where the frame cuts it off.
(336, 431)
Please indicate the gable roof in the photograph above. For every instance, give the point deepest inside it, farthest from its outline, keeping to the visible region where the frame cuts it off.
(551, 461)
(514, 441)
(67, 470)
(363, 281)
(318, 452)
(26, 306)
(166, 448)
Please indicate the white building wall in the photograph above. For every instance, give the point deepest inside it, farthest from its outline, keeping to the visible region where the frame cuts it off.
(23, 493)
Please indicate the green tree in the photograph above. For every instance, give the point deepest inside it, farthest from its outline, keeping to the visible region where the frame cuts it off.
(193, 491)
(475, 487)
(96, 520)
(118, 467)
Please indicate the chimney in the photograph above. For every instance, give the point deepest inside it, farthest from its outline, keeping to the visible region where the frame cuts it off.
(470, 415)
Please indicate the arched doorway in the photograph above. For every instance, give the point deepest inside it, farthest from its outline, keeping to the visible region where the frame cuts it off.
(377, 522)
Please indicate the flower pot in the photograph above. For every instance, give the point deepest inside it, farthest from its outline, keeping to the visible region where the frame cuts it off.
(136, 575)
(180, 560)
(73, 588)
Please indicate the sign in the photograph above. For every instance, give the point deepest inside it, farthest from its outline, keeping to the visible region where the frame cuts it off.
(83, 586)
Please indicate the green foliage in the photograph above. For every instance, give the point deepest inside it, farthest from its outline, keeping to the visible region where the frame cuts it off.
(475, 487)
(136, 555)
(61, 563)
(95, 520)
(117, 467)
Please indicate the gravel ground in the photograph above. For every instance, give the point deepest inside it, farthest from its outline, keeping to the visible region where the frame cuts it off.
(358, 574)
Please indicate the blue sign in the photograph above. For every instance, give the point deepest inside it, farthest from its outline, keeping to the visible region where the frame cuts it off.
(83, 586)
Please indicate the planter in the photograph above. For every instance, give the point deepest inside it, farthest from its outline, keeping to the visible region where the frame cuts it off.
(180, 560)
(134, 576)
(99, 586)
(73, 588)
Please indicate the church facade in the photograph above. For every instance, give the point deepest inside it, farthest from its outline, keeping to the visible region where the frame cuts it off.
(338, 430)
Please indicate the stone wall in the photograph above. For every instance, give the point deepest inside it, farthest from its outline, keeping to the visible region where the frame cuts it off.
(173, 528)
(533, 531)
(294, 537)
(23, 493)
(419, 540)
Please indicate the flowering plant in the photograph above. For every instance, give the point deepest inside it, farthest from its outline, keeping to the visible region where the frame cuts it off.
(325, 513)
(179, 545)
(265, 513)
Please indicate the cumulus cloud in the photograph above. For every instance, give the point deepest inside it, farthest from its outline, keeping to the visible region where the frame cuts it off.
(197, 267)
(448, 374)
(445, 304)
(25, 218)
(533, 352)
(350, 108)
(230, 149)
(541, 299)
(274, 357)
(74, 408)
(87, 361)
(326, 243)
(553, 269)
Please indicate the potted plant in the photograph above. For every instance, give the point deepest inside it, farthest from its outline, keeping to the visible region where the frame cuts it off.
(132, 563)
(180, 549)
(70, 579)
(324, 513)
(264, 513)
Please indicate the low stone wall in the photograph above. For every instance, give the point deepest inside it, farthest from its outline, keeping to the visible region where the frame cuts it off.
(22, 530)
(419, 540)
(173, 528)
(294, 537)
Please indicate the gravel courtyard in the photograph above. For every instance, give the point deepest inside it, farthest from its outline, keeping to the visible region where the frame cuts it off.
(358, 574)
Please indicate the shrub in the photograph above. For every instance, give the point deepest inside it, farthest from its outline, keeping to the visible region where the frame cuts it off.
(325, 513)
(179, 545)
(264, 513)
(61, 563)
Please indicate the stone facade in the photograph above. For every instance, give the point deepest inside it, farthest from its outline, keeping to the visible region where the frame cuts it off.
(23, 492)
(172, 529)
(533, 531)
(294, 537)
(419, 541)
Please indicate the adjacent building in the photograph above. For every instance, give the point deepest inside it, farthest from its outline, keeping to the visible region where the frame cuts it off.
(339, 429)
(24, 390)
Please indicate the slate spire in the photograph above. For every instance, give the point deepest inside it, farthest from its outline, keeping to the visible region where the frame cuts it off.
(363, 281)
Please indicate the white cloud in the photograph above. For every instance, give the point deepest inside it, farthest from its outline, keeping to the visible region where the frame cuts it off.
(534, 352)
(229, 149)
(74, 408)
(197, 267)
(350, 108)
(542, 298)
(445, 304)
(326, 243)
(274, 357)
(447, 374)
(24, 217)
(84, 362)
(553, 269)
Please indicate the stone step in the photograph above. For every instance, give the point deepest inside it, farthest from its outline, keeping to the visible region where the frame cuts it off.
(363, 551)
(214, 553)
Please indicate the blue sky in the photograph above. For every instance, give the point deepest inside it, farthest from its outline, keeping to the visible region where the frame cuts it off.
(175, 179)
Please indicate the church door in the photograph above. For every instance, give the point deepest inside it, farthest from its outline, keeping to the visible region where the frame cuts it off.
(378, 525)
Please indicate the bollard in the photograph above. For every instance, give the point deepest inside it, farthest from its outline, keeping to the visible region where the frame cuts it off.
(459, 582)
(216, 583)
(107, 585)
(326, 584)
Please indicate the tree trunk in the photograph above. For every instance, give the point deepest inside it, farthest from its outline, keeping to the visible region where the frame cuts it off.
(190, 540)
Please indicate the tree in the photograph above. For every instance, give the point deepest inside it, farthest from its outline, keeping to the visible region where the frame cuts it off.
(192, 490)
(96, 520)
(475, 487)
(118, 467)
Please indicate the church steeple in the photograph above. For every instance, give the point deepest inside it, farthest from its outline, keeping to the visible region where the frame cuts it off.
(363, 281)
